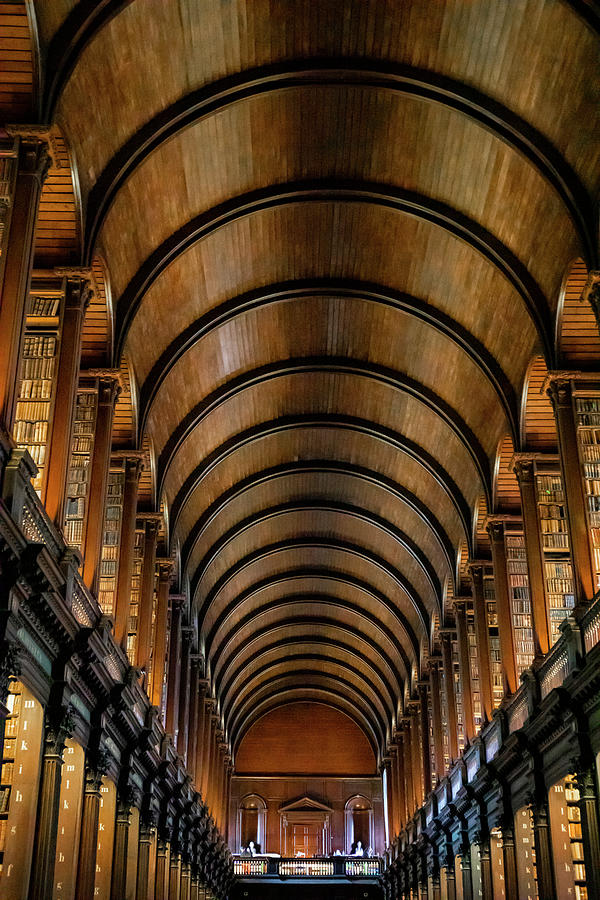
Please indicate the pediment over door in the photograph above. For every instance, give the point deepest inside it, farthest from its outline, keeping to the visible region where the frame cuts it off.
(305, 805)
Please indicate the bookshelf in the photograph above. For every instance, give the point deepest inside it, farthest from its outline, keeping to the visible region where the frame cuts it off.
(37, 378)
(134, 597)
(520, 600)
(587, 415)
(444, 708)
(82, 445)
(11, 733)
(554, 540)
(111, 537)
(474, 671)
(8, 172)
(489, 595)
(458, 697)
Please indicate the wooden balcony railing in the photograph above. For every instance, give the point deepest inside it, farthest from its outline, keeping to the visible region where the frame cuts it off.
(336, 866)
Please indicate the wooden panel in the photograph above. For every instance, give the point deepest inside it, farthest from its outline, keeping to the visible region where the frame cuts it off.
(57, 237)
(124, 421)
(16, 64)
(579, 340)
(506, 493)
(96, 332)
(305, 738)
(539, 426)
(147, 487)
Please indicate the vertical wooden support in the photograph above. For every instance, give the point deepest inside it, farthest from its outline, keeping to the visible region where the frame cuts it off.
(561, 396)
(78, 292)
(590, 827)
(460, 609)
(143, 866)
(201, 741)
(175, 875)
(482, 639)
(408, 768)
(146, 600)
(119, 866)
(192, 754)
(133, 470)
(447, 636)
(393, 771)
(161, 890)
(206, 755)
(401, 780)
(44, 849)
(505, 632)
(524, 469)
(485, 857)
(184, 692)
(88, 837)
(544, 862)
(509, 858)
(424, 726)
(32, 162)
(436, 717)
(165, 569)
(174, 666)
(108, 391)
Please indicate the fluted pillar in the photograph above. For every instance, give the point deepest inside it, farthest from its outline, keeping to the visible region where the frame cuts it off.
(159, 651)
(206, 756)
(590, 826)
(447, 636)
(476, 571)
(142, 882)
(108, 391)
(524, 469)
(544, 863)
(460, 608)
(401, 780)
(78, 292)
(201, 735)
(560, 392)
(485, 859)
(172, 724)
(186, 878)
(509, 858)
(31, 165)
(408, 767)
(436, 717)
(133, 470)
(120, 846)
(465, 869)
(192, 754)
(187, 634)
(161, 890)
(424, 728)
(146, 599)
(505, 631)
(88, 836)
(175, 875)
(393, 771)
(57, 730)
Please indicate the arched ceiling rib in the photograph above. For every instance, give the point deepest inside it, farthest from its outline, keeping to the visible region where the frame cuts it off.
(336, 235)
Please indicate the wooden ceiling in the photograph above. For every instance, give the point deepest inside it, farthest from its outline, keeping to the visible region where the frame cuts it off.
(335, 236)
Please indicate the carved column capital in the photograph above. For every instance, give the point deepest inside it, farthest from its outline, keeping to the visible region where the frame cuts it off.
(58, 729)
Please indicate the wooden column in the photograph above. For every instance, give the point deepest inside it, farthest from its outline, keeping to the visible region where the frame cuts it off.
(78, 292)
(509, 858)
(386, 766)
(186, 878)
(160, 880)
(505, 632)
(174, 666)
(460, 609)
(436, 717)
(187, 634)
(133, 470)
(544, 862)
(146, 601)
(214, 766)
(208, 707)
(57, 730)
(524, 469)
(143, 867)
(159, 651)
(561, 396)
(408, 768)
(119, 862)
(200, 744)
(449, 866)
(175, 875)
(394, 819)
(424, 727)
(401, 780)
(32, 163)
(88, 836)
(192, 754)
(485, 857)
(465, 868)
(482, 638)
(416, 756)
(590, 826)
(447, 637)
(228, 774)
(108, 391)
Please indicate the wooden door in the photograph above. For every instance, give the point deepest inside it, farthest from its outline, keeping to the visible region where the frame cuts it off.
(301, 840)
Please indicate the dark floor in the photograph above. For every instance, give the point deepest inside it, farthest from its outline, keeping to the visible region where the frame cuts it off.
(279, 890)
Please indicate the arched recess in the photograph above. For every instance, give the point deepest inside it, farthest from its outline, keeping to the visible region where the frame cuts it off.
(20, 76)
(538, 428)
(59, 224)
(147, 485)
(577, 336)
(252, 822)
(358, 818)
(462, 563)
(97, 329)
(481, 539)
(507, 498)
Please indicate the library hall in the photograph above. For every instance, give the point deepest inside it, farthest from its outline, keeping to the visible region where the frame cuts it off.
(299, 450)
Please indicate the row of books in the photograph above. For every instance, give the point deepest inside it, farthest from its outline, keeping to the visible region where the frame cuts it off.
(43, 306)
(36, 346)
(28, 432)
(550, 513)
(73, 530)
(36, 389)
(38, 367)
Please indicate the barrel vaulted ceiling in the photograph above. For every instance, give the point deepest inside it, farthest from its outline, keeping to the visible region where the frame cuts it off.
(335, 235)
